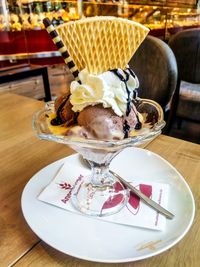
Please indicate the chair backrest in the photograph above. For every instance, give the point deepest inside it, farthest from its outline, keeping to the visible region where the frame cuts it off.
(186, 47)
(155, 66)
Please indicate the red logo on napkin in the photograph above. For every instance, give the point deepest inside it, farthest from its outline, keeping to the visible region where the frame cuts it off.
(116, 199)
(134, 200)
(65, 186)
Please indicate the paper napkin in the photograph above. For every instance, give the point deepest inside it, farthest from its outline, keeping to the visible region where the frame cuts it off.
(135, 213)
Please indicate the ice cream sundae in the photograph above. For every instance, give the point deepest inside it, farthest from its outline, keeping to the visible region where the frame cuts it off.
(101, 114)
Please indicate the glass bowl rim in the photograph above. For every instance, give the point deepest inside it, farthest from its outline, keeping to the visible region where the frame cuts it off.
(95, 143)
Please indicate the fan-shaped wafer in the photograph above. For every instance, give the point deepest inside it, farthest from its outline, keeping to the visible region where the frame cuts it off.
(102, 43)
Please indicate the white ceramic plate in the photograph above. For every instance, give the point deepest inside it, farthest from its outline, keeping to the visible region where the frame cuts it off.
(95, 240)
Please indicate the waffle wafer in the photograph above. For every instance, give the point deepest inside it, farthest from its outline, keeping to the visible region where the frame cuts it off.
(102, 43)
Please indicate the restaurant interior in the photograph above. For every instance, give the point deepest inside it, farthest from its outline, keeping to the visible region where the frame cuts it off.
(33, 73)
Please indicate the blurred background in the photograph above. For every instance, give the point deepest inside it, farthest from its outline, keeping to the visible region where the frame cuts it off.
(24, 41)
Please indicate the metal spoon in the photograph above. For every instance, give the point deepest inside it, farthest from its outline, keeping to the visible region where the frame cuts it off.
(142, 196)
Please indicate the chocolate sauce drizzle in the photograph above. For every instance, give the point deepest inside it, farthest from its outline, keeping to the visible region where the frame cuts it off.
(134, 76)
(58, 120)
(125, 78)
(138, 125)
(126, 129)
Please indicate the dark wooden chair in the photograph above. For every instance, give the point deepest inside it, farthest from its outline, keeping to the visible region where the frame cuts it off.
(155, 65)
(23, 71)
(186, 48)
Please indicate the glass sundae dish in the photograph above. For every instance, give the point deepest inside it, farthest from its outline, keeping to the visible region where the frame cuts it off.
(101, 114)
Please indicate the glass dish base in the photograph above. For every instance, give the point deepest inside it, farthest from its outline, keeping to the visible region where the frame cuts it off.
(103, 199)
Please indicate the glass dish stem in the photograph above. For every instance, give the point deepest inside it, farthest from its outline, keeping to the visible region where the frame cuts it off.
(100, 174)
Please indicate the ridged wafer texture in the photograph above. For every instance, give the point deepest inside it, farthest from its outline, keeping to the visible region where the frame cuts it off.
(102, 43)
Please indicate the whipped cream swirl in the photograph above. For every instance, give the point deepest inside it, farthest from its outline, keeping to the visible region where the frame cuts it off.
(105, 88)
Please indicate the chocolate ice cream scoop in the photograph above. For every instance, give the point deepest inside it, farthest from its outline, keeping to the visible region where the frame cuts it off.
(64, 112)
(101, 122)
(150, 110)
(104, 124)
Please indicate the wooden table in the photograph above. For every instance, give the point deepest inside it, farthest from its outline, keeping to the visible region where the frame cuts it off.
(23, 154)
